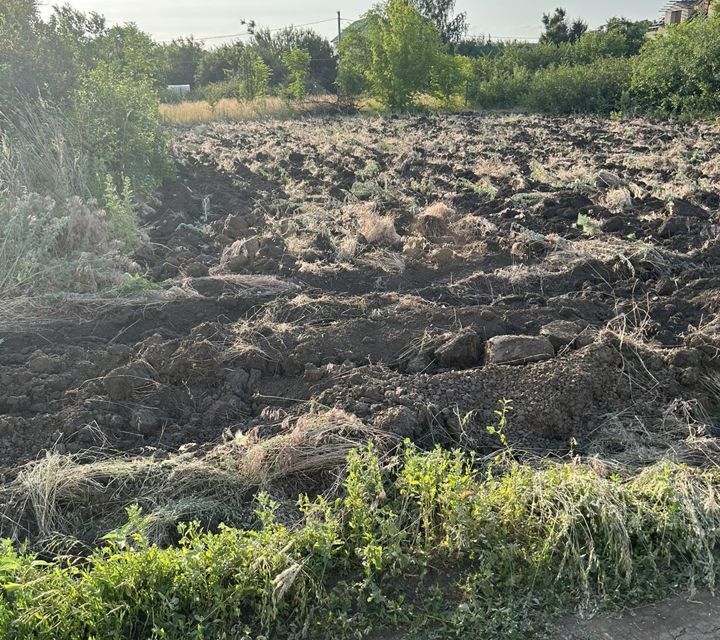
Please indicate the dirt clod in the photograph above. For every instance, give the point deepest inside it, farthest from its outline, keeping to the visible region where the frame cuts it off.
(519, 349)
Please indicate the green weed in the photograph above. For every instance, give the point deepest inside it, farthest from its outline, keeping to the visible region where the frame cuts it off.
(434, 543)
(120, 208)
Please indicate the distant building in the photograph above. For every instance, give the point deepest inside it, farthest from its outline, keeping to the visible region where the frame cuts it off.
(180, 90)
(680, 11)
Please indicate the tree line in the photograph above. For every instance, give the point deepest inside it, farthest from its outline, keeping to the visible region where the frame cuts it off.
(398, 51)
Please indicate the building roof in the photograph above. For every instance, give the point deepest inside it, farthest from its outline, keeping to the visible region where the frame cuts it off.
(682, 4)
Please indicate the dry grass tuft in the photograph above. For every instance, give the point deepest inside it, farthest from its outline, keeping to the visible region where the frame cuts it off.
(230, 110)
(85, 495)
(377, 229)
(317, 443)
(347, 248)
(618, 200)
(433, 222)
(495, 167)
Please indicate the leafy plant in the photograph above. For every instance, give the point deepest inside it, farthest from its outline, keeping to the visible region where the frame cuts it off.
(298, 63)
(121, 211)
(404, 46)
(120, 123)
(433, 542)
(679, 72)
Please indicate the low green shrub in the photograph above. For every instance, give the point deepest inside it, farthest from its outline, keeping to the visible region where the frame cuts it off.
(120, 209)
(504, 91)
(679, 71)
(595, 88)
(41, 235)
(430, 542)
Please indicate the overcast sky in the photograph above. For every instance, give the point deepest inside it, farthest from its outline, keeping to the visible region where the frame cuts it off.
(166, 19)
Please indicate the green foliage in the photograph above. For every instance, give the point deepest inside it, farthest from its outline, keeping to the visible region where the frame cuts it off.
(26, 65)
(30, 227)
(130, 284)
(355, 58)
(252, 75)
(593, 88)
(434, 543)
(120, 208)
(297, 62)
(101, 79)
(557, 30)
(403, 49)
(679, 71)
(564, 74)
(228, 60)
(272, 46)
(634, 32)
(500, 91)
(126, 52)
(441, 13)
(120, 123)
(182, 59)
(450, 75)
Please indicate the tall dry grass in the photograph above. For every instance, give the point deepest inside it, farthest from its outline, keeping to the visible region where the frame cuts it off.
(225, 110)
(230, 110)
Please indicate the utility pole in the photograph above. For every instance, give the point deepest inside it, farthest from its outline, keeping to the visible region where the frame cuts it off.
(339, 28)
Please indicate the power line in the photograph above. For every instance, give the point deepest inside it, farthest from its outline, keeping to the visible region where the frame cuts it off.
(250, 33)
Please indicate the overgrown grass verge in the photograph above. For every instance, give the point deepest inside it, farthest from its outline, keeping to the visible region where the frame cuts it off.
(65, 223)
(428, 542)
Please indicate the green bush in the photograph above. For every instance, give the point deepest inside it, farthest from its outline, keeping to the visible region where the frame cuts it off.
(434, 543)
(404, 46)
(450, 75)
(253, 75)
(120, 209)
(40, 236)
(503, 91)
(593, 88)
(679, 71)
(355, 59)
(120, 124)
(297, 62)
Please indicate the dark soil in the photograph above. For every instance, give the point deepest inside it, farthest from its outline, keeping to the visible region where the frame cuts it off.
(277, 291)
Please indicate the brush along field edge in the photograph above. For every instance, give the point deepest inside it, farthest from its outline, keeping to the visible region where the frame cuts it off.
(429, 542)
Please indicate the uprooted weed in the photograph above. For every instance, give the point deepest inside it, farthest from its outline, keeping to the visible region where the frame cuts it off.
(80, 497)
(426, 542)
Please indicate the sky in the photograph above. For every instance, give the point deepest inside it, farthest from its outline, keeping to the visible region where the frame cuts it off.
(167, 19)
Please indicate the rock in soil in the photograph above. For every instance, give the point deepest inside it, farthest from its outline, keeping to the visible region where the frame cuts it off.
(459, 352)
(563, 333)
(516, 350)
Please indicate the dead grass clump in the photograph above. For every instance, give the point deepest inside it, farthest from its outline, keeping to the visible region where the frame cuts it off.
(678, 190)
(377, 229)
(347, 248)
(317, 443)
(575, 177)
(230, 110)
(83, 496)
(188, 113)
(494, 168)
(433, 222)
(475, 227)
(383, 260)
(618, 200)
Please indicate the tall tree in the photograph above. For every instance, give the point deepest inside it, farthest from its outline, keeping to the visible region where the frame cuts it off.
(634, 32)
(183, 56)
(557, 30)
(452, 27)
(404, 46)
